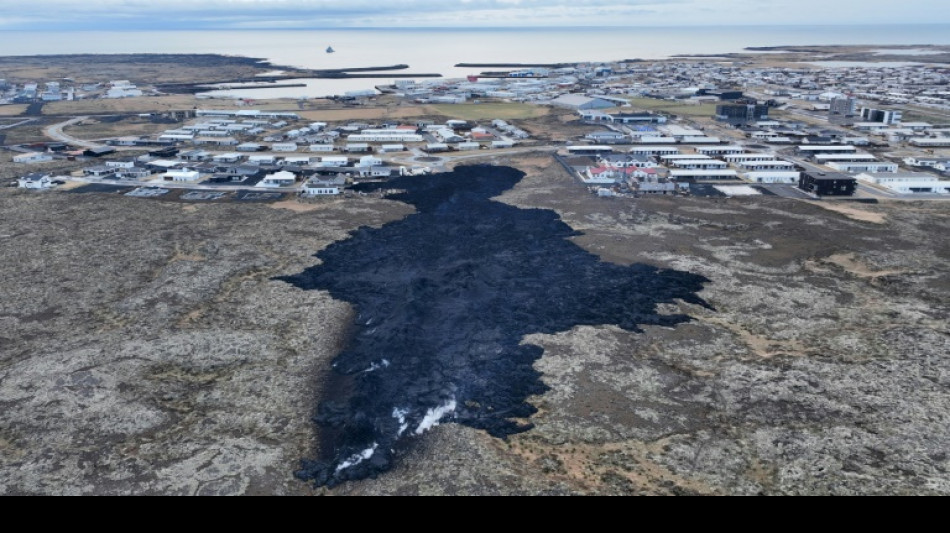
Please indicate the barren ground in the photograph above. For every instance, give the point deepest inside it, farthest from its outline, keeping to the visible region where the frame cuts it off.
(144, 348)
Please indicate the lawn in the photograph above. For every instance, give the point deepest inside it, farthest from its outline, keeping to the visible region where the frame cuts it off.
(489, 111)
(674, 107)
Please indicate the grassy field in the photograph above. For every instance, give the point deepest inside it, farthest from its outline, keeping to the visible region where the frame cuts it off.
(121, 106)
(672, 107)
(364, 113)
(28, 133)
(12, 110)
(92, 129)
(490, 111)
(157, 104)
(924, 114)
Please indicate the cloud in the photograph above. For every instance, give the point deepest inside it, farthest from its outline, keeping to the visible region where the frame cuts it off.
(188, 14)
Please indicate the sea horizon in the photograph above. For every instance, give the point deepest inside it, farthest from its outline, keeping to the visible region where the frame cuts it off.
(432, 50)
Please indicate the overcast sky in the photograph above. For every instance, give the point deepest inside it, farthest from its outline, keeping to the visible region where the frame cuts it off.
(267, 14)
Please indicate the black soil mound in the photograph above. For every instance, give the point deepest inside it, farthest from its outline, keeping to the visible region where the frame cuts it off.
(443, 300)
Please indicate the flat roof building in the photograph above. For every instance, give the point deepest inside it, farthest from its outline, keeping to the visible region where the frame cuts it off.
(828, 183)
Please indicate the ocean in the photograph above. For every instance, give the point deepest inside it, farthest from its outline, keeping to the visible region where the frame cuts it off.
(439, 50)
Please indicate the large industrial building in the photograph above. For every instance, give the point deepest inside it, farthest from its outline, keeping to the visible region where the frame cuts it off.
(887, 116)
(580, 102)
(828, 183)
(740, 114)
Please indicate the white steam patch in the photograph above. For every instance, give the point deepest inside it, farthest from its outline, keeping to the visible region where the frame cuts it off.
(400, 416)
(434, 416)
(376, 366)
(366, 455)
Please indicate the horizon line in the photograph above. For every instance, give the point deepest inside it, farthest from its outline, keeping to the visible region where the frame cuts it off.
(483, 28)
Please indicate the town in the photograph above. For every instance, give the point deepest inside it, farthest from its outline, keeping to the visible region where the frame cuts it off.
(669, 127)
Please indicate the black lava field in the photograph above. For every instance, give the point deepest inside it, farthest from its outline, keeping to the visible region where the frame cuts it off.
(443, 299)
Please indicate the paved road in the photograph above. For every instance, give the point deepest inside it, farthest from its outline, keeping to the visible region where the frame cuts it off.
(55, 132)
(22, 122)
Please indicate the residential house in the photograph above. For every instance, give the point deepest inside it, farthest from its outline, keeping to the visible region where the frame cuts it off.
(940, 164)
(182, 175)
(369, 161)
(279, 179)
(375, 172)
(324, 187)
(101, 171)
(133, 172)
(36, 181)
(31, 158)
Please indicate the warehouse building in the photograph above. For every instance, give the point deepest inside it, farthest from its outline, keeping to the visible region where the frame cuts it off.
(581, 102)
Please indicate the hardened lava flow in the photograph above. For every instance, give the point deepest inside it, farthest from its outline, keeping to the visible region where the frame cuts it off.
(443, 300)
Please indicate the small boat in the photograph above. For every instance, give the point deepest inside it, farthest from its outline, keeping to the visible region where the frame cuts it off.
(330, 50)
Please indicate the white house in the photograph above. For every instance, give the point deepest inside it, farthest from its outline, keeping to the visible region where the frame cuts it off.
(387, 148)
(703, 175)
(284, 147)
(35, 181)
(297, 161)
(321, 147)
(447, 136)
(182, 175)
(324, 187)
(375, 172)
(33, 157)
(941, 164)
(334, 161)
(370, 161)
(279, 179)
(262, 159)
(228, 158)
(932, 142)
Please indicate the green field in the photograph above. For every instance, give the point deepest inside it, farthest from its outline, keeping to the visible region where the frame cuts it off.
(490, 111)
(674, 108)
